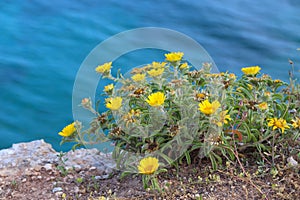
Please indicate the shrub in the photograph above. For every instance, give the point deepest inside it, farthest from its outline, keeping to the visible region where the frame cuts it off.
(169, 111)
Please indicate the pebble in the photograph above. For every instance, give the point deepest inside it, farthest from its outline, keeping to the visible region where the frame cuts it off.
(77, 168)
(292, 162)
(76, 190)
(47, 167)
(57, 189)
(37, 168)
(58, 194)
(105, 176)
(92, 168)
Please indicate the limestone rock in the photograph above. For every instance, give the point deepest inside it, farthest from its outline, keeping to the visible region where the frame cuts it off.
(31, 157)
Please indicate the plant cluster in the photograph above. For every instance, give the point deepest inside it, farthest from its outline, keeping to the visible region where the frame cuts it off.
(168, 112)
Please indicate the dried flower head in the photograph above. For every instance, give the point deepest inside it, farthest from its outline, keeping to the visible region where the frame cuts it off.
(296, 123)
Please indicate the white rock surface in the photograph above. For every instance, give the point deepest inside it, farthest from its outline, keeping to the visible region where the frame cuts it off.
(37, 155)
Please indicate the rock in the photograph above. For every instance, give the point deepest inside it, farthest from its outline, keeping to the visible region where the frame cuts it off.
(31, 157)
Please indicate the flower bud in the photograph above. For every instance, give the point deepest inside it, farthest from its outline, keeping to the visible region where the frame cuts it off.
(241, 103)
(86, 103)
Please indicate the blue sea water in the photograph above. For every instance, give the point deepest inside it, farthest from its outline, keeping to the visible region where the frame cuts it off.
(43, 43)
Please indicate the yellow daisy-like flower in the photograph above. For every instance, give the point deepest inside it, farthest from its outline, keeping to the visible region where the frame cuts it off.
(138, 77)
(224, 118)
(251, 70)
(174, 56)
(148, 165)
(263, 106)
(114, 103)
(183, 65)
(68, 130)
(156, 99)
(156, 72)
(278, 123)
(103, 68)
(296, 123)
(157, 65)
(209, 108)
(108, 87)
(232, 76)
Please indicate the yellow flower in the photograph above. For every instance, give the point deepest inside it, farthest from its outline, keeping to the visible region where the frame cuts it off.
(156, 72)
(104, 68)
(68, 130)
(174, 56)
(138, 77)
(114, 103)
(108, 87)
(267, 94)
(296, 123)
(156, 99)
(183, 65)
(224, 118)
(277, 81)
(251, 70)
(209, 108)
(157, 65)
(263, 106)
(278, 123)
(148, 165)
